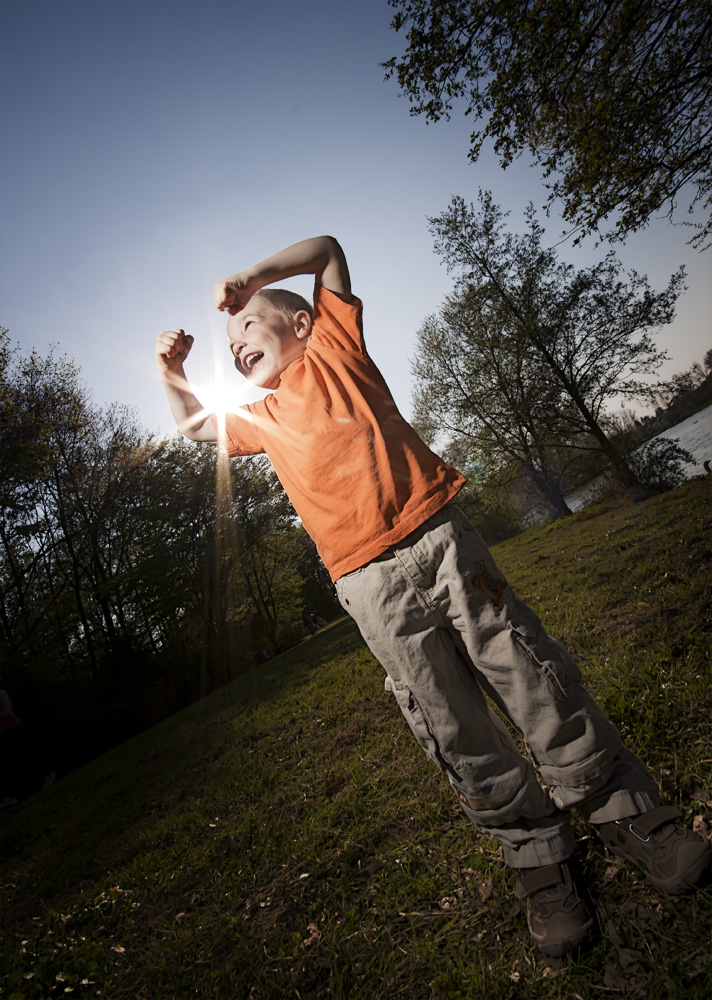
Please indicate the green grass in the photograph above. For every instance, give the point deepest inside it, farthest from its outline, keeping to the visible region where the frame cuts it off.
(286, 837)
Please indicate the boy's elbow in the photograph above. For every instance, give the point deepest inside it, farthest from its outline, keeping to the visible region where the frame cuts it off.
(204, 431)
(332, 246)
(335, 271)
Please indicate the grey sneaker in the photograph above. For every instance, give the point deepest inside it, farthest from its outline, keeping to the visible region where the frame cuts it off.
(672, 857)
(557, 914)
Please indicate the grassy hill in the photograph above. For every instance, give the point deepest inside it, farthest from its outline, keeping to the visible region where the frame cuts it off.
(286, 837)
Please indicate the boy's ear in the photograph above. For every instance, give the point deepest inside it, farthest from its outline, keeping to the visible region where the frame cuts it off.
(302, 324)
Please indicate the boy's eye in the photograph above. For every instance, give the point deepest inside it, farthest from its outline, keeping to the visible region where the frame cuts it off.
(247, 323)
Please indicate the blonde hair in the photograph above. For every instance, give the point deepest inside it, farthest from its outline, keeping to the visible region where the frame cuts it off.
(286, 303)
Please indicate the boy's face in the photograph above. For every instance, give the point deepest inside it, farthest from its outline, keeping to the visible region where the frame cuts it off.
(263, 343)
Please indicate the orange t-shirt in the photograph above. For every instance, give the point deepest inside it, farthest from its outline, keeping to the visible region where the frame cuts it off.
(358, 475)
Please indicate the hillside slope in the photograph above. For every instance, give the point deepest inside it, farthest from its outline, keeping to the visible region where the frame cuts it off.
(286, 837)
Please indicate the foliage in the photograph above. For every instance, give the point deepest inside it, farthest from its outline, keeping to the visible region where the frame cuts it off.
(286, 836)
(614, 100)
(134, 574)
(479, 381)
(528, 351)
(658, 464)
(685, 384)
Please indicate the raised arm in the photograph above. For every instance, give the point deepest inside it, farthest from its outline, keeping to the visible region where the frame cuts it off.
(321, 256)
(193, 420)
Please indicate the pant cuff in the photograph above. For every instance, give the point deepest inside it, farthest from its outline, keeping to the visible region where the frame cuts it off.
(622, 804)
(536, 853)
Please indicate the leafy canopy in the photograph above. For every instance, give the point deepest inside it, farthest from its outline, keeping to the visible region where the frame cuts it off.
(614, 100)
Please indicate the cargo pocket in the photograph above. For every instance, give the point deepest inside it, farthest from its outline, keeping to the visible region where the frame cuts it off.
(416, 720)
(562, 675)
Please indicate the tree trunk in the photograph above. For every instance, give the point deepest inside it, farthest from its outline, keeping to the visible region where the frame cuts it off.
(550, 491)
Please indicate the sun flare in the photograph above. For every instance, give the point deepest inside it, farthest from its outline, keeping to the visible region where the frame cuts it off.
(219, 398)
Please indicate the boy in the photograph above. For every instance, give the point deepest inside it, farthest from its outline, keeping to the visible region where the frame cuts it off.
(426, 594)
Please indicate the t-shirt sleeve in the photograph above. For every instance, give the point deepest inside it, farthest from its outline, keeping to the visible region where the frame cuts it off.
(239, 434)
(338, 325)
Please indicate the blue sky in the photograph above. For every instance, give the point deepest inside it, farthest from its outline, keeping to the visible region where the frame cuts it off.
(152, 148)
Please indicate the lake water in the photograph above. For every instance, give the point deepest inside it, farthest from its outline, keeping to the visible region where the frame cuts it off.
(694, 434)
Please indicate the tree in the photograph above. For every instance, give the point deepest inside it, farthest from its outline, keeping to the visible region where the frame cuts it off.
(478, 379)
(554, 345)
(269, 545)
(43, 413)
(613, 100)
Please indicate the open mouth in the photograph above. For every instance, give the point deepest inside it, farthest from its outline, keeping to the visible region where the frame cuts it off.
(249, 362)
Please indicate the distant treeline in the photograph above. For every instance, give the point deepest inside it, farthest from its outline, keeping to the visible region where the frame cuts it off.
(685, 394)
(136, 574)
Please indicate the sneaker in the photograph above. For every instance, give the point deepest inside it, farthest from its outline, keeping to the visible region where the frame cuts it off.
(672, 857)
(557, 914)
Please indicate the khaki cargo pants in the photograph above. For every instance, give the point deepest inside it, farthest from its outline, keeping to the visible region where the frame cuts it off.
(439, 616)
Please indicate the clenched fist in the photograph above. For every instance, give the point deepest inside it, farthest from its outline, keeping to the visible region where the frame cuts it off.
(172, 348)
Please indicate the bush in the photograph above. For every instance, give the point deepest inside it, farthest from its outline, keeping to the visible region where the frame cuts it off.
(658, 465)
